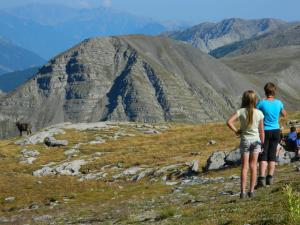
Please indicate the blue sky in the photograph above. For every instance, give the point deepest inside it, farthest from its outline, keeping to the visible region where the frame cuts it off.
(189, 10)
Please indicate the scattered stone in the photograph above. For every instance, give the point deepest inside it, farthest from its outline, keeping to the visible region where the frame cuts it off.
(166, 169)
(285, 157)
(145, 216)
(29, 160)
(194, 166)
(33, 206)
(234, 158)
(212, 142)
(229, 193)
(98, 140)
(30, 153)
(45, 171)
(234, 177)
(216, 161)
(128, 172)
(169, 183)
(77, 146)
(195, 153)
(71, 152)
(43, 218)
(10, 199)
(67, 168)
(152, 131)
(93, 176)
(199, 180)
(145, 173)
(40, 137)
(52, 142)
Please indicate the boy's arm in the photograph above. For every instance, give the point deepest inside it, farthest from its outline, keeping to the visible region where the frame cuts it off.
(283, 113)
(261, 131)
(230, 123)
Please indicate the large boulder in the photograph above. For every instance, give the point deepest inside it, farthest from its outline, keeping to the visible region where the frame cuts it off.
(216, 161)
(52, 142)
(233, 158)
(285, 157)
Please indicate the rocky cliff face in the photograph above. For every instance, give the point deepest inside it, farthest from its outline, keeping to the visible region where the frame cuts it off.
(209, 36)
(132, 78)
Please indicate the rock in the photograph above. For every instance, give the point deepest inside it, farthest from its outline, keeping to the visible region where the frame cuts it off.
(285, 157)
(30, 153)
(40, 137)
(216, 161)
(70, 168)
(145, 216)
(152, 131)
(99, 140)
(67, 168)
(45, 171)
(10, 199)
(194, 166)
(52, 142)
(43, 218)
(145, 173)
(71, 152)
(233, 158)
(169, 183)
(132, 171)
(93, 176)
(212, 142)
(29, 160)
(195, 180)
(166, 169)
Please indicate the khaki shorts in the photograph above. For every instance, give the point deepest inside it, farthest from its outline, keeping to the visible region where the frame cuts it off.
(247, 146)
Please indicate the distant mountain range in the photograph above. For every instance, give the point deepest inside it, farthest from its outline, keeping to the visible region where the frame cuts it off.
(209, 36)
(50, 29)
(277, 38)
(14, 58)
(11, 81)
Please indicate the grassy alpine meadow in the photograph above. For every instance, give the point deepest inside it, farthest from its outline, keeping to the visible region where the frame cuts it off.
(115, 197)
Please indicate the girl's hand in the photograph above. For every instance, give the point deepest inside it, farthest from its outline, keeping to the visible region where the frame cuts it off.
(238, 132)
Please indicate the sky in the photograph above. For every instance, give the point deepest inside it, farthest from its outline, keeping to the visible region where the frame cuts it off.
(188, 10)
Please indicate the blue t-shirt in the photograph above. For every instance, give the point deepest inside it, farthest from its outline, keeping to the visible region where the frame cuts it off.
(292, 136)
(271, 110)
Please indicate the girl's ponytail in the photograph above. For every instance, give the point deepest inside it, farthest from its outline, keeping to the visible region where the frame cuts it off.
(249, 102)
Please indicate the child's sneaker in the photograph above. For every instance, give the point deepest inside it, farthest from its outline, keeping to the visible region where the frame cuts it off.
(251, 194)
(269, 180)
(261, 182)
(243, 195)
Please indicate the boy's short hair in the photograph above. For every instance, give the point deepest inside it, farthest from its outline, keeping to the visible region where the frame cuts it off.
(293, 129)
(270, 89)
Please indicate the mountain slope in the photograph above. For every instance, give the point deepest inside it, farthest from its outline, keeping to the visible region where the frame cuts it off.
(131, 78)
(10, 81)
(14, 58)
(285, 37)
(280, 65)
(209, 36)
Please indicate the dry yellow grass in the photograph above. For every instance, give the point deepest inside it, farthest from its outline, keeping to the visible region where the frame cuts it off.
(88, 198)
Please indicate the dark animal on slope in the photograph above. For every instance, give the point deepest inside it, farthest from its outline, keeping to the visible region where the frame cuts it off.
(24, 127)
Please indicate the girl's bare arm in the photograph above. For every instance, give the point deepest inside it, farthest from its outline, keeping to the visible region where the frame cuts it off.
(230, 123)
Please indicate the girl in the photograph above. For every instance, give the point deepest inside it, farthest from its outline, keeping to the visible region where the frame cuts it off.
(252, 137)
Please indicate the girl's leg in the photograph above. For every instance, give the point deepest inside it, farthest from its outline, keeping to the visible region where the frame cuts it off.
(253, 170)
(245, 166)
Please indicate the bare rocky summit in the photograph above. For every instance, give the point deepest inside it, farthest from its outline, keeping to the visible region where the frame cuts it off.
(210, 36)
(129, 78)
